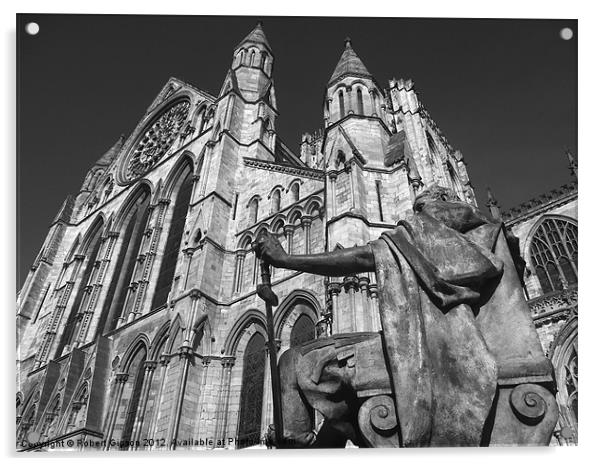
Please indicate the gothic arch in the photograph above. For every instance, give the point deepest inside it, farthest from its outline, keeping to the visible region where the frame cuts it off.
(141, 342)
(175, 333)
(295, 182)
(250, 317)
(159, 341)
(91, 232)
(313, 205)
(75, 247)
(287, 305)
(264, 227)
(278, 221)
(89, 248)
(245, 241)
(142, 188)
(295, 214)
(173, 179)
(551, 251)
(130, 224)
(536, 225)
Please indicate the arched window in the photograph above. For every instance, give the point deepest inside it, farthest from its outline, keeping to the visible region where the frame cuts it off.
(276, 197)
(88, 276)
(251, 397)
(295, 192)
(174, 238)
(303, 331)
(263, 58)
(137, 373)
(341, 104)
(253, 208)
(132, 232)
(360, 102)
(554, 254)
(252, 59)
(240, 57)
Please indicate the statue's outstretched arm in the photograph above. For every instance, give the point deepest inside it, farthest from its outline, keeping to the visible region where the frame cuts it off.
(335, 263)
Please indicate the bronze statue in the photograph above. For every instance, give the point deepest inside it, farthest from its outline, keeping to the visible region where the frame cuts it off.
(458, 362)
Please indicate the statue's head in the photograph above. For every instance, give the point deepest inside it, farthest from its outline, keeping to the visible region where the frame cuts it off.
(432, 193)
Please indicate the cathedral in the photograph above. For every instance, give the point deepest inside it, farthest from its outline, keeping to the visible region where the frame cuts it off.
(139, 326)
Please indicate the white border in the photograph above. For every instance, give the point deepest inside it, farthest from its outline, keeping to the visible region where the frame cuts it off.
(589, 105)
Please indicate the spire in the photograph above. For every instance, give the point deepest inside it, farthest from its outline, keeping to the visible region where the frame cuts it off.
(256, 36)
(349, 64)
(572, 161)
(493, 205)
(110, 155)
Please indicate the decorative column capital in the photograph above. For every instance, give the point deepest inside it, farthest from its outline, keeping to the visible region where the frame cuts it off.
(150, 366)
(373, 290)
(121, 377)
(164, 360)
(306, 220)
(289, 228)
(364, 283)
(185, 352)
(228, 362)
(351, 282)
(332, 175)
(334, 288)
(195, 294)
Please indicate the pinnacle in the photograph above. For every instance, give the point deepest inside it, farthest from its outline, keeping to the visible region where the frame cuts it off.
(349, 64)
(257, 36)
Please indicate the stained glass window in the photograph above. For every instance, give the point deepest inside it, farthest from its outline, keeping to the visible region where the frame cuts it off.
(132, 235)
(71, 324)
(304, 330)
(554, 254)
(172, 246)
(251, 397)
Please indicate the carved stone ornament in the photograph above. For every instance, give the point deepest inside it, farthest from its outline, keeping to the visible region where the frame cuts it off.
(155, 141)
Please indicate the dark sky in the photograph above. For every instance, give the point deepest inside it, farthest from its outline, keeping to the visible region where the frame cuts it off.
(503, 91)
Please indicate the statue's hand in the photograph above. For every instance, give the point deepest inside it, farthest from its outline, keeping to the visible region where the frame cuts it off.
(269, 249)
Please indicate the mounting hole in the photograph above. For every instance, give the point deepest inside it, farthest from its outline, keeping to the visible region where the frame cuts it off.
(566, 33)
(32, 28)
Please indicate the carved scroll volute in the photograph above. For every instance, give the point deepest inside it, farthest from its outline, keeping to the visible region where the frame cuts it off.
(378, 422)
(531, 403)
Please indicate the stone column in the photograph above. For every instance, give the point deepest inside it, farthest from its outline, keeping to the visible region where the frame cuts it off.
(289, 230)
(152, 430)
(349, 170)
(306, 223)
(351, 286)
(120, 381)
(149, 369)
(373, 100)
(239, 263)
(332, 175)
(185, 354)
(368, 323)
(223, 400)
(373, 288)
(334, 290)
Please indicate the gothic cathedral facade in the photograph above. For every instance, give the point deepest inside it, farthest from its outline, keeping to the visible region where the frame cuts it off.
(138, 325)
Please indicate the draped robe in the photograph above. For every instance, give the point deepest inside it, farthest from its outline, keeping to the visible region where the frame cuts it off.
(431, 271)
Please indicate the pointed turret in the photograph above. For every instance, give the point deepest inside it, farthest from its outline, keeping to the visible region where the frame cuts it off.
(572, 162)
(493, 205)
(256, 36)
(349, 65)
(111, 154)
